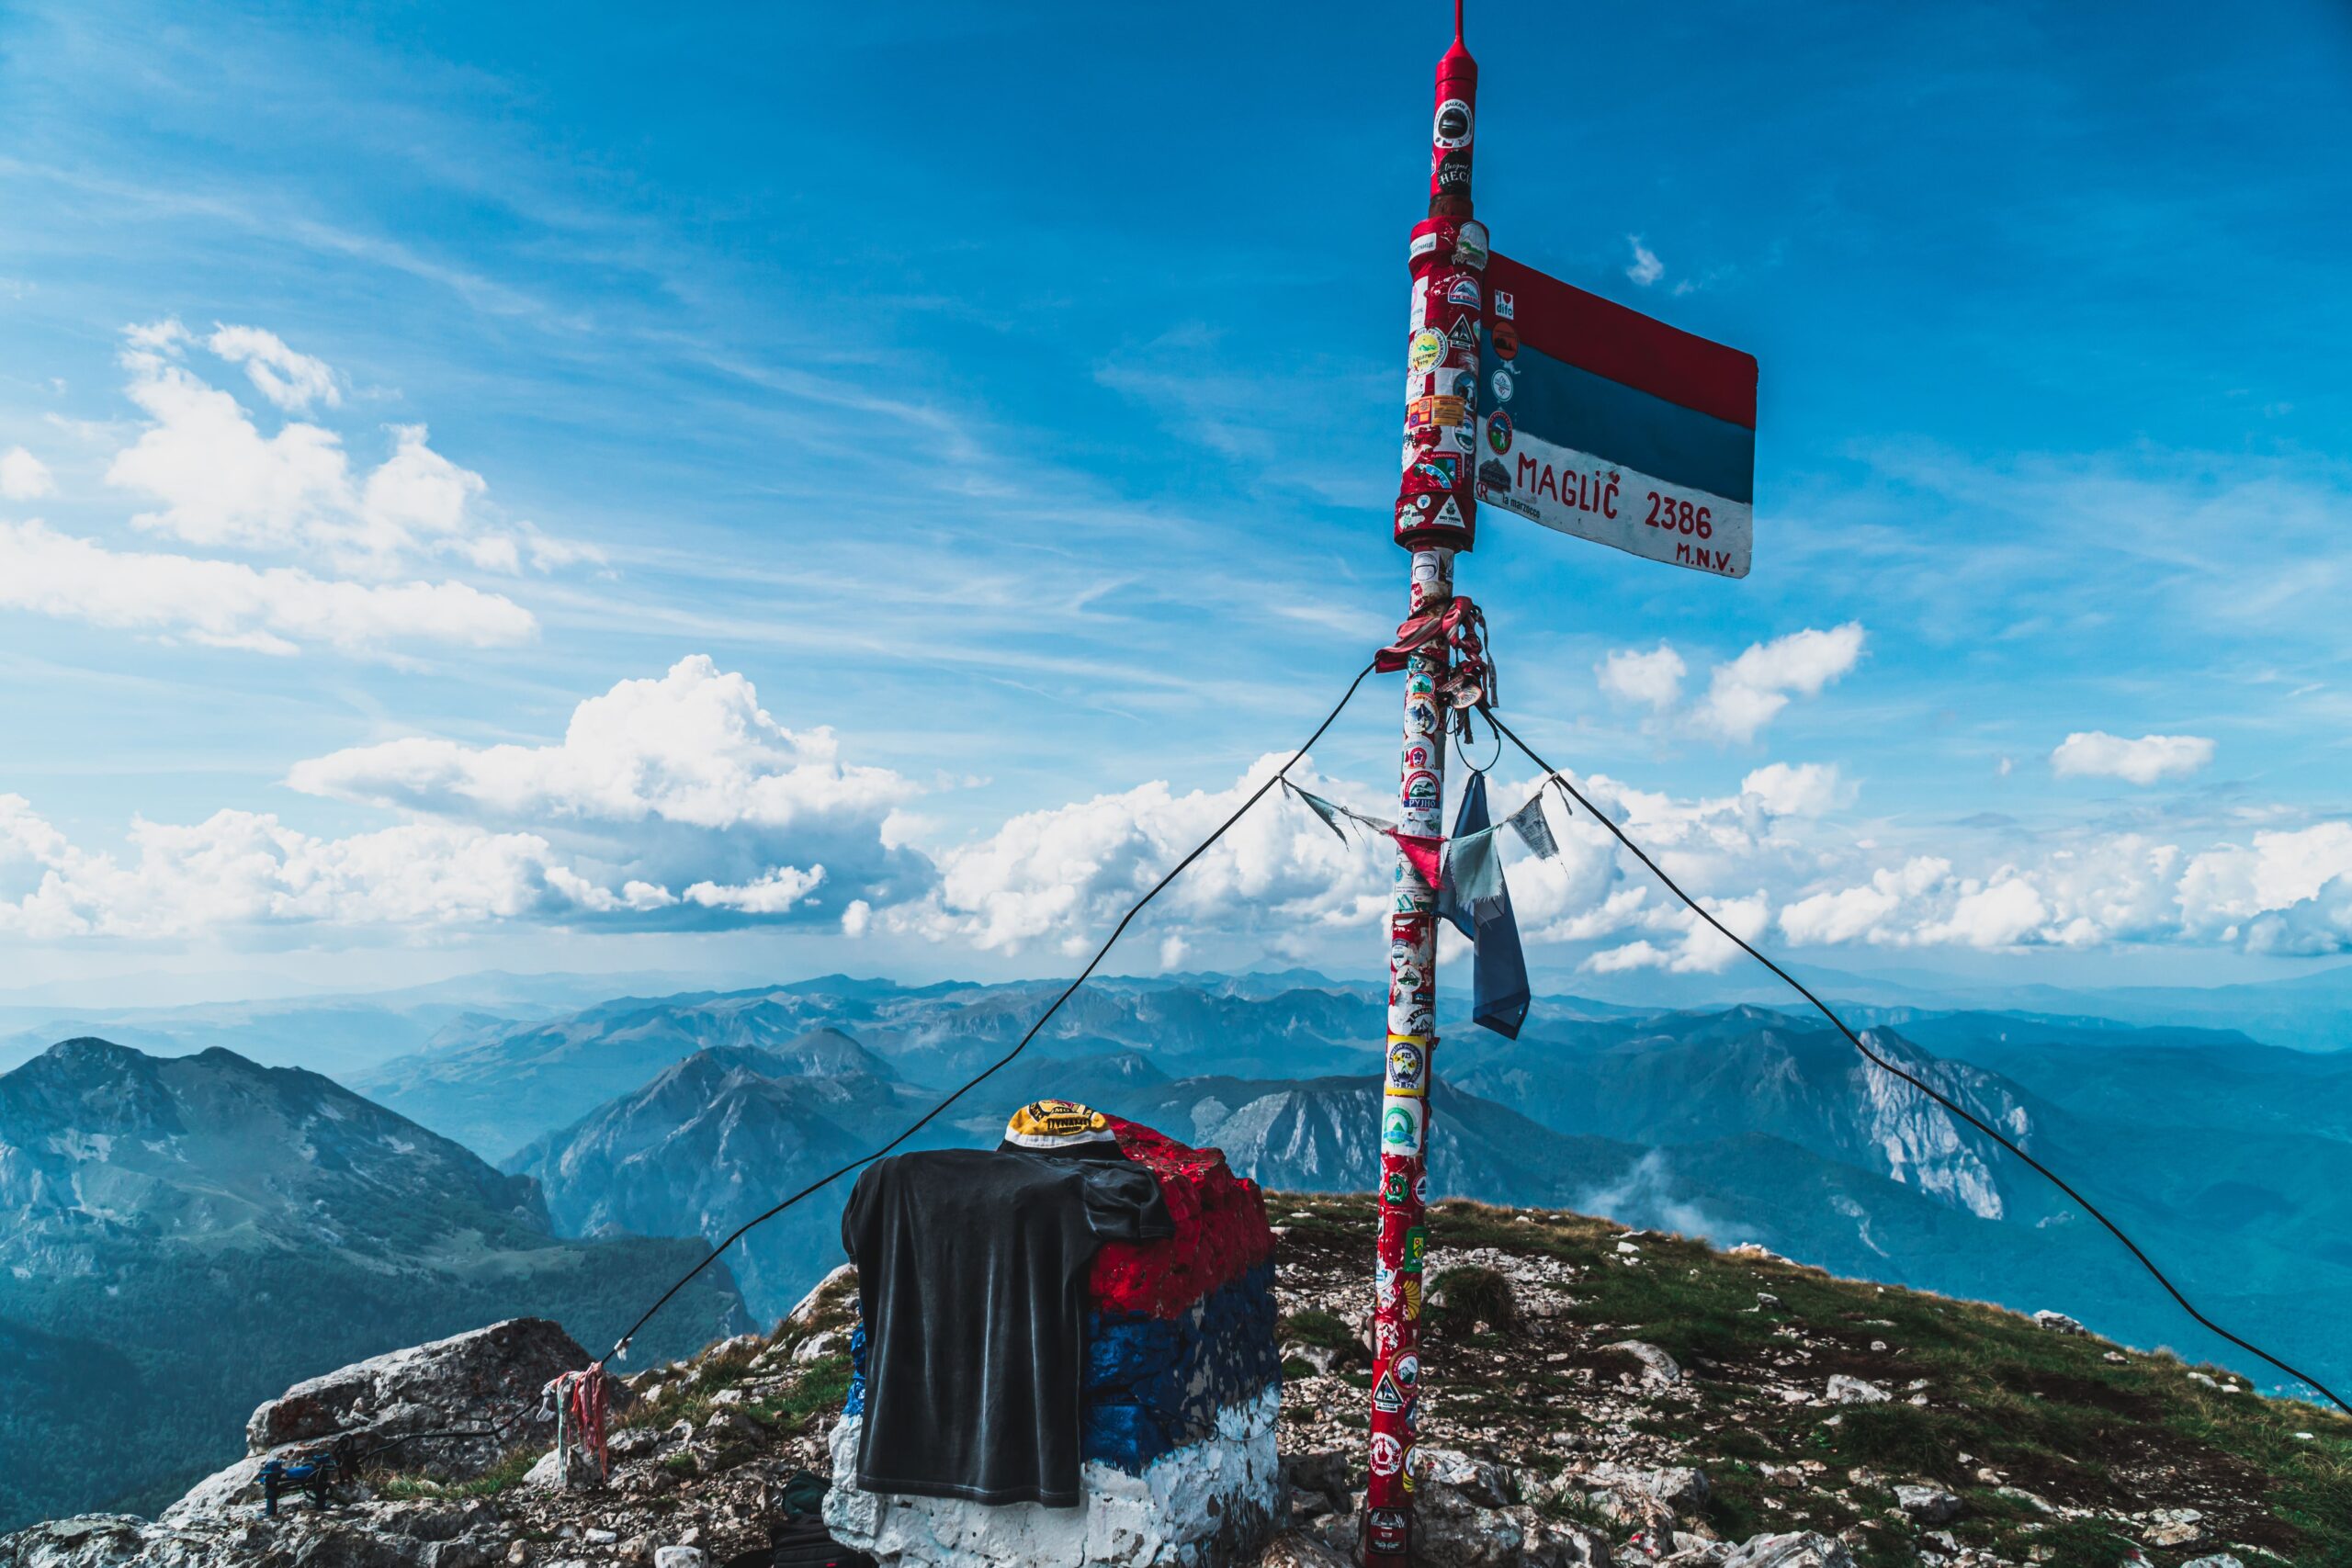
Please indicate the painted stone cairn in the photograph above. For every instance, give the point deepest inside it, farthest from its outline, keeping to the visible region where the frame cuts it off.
(1176, 1423)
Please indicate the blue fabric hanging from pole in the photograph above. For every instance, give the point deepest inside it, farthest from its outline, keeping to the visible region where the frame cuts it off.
(1499, 982)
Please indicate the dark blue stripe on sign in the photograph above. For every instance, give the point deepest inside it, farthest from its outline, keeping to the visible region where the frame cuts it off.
(1558, 402)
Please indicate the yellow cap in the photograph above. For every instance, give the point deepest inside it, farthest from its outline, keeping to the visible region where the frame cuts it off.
(1057, 1124)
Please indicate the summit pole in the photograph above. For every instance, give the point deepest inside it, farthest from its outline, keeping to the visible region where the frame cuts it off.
(1435, 519)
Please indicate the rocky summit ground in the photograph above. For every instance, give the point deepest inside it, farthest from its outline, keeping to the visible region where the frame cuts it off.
(1593, 1397)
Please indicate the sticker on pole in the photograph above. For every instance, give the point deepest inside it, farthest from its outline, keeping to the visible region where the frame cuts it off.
(1620, 429)
(1400, 1124)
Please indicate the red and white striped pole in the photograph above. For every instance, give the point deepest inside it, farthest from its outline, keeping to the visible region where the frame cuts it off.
(1436, 517)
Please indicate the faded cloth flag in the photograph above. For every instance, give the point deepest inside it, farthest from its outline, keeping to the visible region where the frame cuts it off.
(1499, 996)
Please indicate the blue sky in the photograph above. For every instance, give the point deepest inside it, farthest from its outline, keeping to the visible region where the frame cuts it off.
(1011, 390)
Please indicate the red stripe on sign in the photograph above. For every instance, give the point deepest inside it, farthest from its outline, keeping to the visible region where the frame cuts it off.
(1609, 340)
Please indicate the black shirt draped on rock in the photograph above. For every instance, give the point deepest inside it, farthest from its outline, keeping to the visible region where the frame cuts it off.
(971, 1275)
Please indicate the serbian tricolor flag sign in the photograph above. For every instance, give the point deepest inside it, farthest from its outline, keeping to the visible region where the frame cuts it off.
(1606, 424)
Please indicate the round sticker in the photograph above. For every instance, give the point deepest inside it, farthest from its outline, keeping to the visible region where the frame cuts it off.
(1422, 1189)
(1387, 1454)
(1504, 338)
(1499, 431)
(1405, 1062)
(1407, 1370)
(1504, 385)
(1427, 348)
(1453, 127)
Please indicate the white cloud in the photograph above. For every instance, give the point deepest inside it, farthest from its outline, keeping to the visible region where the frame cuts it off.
(2001, 914)
(2288, 892)
(230, 605)
(221, 482)
(293, 381)
(683, 781)
(1803, 789)
(2096, 754)
(1861, 914)
(24, 477)
(778, 892)
(694, 748)
(239, 869)
(1700, 949)
(1062, 876)
(1646, 268)
(1653, 679)
(676, 802)
(1748, 692)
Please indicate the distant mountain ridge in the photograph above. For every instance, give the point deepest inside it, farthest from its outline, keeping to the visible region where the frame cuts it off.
(716, 1139)
(516, 1082)
(1748, 1124)
(182, 1235)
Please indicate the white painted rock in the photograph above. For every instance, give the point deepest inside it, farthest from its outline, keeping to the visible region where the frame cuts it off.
(2057, 1323)
(1212, 1504)
(1844, 1390)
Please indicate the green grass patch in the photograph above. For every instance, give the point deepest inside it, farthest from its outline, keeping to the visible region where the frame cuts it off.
(506, 1474)
(1314, 1326)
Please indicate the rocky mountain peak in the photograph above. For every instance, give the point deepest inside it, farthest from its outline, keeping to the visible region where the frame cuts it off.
(1593, 1398)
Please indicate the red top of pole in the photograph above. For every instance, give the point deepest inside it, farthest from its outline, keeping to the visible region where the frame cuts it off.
(1450, 136)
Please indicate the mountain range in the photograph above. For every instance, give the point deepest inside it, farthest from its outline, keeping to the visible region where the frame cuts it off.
(162, 1207)
(2228, 1159)
(180, 1238)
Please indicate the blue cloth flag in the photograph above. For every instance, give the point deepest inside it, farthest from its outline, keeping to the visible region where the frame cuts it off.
(1498, 983)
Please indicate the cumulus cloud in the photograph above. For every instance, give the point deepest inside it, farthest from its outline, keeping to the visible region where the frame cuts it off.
(676, 802)
(1699, 948)
(1653, 679)
(230, 605)
(1802, 789)
(1060, 877)
(373, 537)
(1862, 913)
(1748, 692)
(293, 381)
(24, 477)
(2002, 913)
(1744, 694)
(221, 482)
(245, 869)
(684, 786)
(1647, 269)
(2096, 754)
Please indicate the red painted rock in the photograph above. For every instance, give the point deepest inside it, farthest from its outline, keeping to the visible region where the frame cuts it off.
(1221, 1230)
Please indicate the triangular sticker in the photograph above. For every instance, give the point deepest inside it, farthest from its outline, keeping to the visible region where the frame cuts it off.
(1463, 333)
(1385, 1396)
(1449, 516)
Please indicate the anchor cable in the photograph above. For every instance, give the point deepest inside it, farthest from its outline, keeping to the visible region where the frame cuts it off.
(1278, 776)
(1552, 775)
